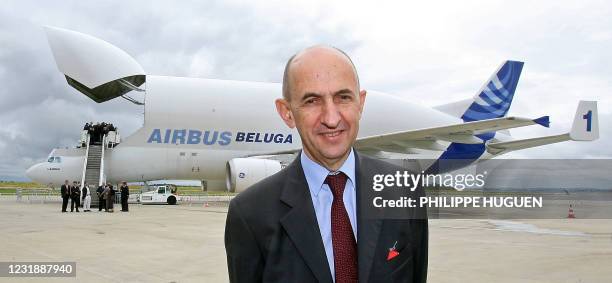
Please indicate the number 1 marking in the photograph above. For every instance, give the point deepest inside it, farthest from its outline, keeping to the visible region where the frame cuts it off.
(588, 117)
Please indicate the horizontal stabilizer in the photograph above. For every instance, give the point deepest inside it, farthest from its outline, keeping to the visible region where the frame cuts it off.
(584, 128)
(501, 147)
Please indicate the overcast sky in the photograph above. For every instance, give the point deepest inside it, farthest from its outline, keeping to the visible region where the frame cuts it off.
(430, 52)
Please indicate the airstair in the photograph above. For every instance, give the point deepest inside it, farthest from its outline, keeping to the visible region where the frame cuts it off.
(93, 172)
(93, 165)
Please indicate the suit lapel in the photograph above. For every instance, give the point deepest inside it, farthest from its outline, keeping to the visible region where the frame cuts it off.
(368, 228)
(301, 223)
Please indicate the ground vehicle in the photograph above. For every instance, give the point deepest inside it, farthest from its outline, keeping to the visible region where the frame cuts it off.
(160, 194)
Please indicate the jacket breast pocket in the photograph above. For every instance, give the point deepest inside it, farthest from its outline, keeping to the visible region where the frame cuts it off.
(401, 266)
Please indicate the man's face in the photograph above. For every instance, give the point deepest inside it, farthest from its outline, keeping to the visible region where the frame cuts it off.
(325, 105)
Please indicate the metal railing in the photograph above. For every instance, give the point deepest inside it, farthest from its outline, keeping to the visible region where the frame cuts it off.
(36, 195)
(102, 180)
(85, 163)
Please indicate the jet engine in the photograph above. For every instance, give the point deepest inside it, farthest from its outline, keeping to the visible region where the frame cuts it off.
(244, 172)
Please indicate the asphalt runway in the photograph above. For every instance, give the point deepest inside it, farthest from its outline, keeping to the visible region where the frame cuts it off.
(185, 244)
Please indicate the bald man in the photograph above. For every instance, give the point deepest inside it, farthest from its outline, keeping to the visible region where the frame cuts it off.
(305, 224)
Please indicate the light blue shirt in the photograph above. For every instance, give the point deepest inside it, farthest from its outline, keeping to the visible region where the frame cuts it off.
(322, 198)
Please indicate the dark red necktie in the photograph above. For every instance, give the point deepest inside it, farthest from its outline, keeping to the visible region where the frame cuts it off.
(343, 239)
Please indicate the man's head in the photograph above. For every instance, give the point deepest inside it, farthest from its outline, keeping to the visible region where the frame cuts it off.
(66, 182)
(321, 97)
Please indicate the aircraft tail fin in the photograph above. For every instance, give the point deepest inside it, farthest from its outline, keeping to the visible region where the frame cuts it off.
(494, 98)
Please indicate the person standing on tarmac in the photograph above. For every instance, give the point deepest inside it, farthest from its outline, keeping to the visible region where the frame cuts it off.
(75, 196)
(86, 193)
(101, 201)
(65, 191)
(125, 194)
(109, 195)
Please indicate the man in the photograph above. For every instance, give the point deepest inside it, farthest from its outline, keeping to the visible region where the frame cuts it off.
(109, 196)
(65, 192)
(80, 193)
(75, 196)
(125, 194)
(305, 223)
(101, 200)
(86, 193)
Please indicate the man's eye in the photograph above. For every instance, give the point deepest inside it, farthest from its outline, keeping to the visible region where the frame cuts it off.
(346, 97)
(310, 101)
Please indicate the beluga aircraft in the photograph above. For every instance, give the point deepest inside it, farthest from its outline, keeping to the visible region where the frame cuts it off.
(228, 133)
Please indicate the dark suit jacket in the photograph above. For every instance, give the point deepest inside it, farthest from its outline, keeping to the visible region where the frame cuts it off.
(125, 192)
(100, 190)
(271, 233)
(65, 190)
(75, 192)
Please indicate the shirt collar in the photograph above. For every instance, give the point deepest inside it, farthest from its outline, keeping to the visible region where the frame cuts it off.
(316, 174)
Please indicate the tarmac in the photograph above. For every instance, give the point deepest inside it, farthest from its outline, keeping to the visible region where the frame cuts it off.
(184, 243)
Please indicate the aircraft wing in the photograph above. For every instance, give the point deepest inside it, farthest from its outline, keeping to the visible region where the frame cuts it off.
(584, 128)
(405, 141)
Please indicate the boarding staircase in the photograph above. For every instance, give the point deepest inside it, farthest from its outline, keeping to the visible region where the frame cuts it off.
(93, 168)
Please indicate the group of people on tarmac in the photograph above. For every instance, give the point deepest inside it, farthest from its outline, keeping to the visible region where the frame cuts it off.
(73, 193)
(105, 193)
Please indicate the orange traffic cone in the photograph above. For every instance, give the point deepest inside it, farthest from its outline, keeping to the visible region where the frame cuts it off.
(570, 213)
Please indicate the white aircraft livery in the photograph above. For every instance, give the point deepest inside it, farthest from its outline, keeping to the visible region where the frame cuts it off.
(228, 133)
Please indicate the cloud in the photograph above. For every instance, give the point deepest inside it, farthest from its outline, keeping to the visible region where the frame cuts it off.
(429, 53)
(226, 40)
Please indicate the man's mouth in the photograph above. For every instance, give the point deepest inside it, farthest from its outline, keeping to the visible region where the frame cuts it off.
(332, 134)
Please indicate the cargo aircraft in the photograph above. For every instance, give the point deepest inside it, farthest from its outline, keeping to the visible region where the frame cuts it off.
(228, 134)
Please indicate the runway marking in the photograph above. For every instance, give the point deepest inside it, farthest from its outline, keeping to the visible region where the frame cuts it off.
(513, 226)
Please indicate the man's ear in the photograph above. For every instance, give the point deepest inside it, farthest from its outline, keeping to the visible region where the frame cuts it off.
(362, 97)
(283, 109)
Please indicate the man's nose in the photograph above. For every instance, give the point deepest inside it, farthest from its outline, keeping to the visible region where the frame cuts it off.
(331, 114)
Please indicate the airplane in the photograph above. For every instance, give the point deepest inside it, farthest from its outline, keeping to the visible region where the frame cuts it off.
(228, 134)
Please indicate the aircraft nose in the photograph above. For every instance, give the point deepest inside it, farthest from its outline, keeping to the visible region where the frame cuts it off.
(33, 172)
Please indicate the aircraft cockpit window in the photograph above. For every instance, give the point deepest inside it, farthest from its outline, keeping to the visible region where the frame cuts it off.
(54, 159)
(50, 160)
(58, 159)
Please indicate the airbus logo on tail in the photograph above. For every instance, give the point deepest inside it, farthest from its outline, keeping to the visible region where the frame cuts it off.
(211, 137)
